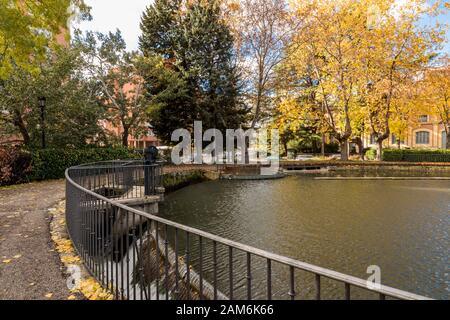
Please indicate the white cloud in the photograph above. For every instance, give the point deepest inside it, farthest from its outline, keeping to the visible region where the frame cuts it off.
(109, 15)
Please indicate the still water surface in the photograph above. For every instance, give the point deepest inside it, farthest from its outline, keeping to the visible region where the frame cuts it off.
(400, 226)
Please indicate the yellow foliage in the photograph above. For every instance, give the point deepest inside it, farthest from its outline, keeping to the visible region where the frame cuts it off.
(70, 259)
(353, 64)
(233, 6)
(433, 92)
(63, 245)
(92, 290)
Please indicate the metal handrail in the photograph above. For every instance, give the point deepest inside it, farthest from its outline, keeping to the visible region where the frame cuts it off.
(382, 290)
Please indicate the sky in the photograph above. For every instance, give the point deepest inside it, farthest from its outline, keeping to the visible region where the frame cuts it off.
(108, 15)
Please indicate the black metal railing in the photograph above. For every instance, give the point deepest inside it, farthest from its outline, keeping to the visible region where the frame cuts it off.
(111, 211)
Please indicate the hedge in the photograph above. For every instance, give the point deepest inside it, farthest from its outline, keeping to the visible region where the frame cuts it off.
(416, 155)
(18, 165)
(52, 163)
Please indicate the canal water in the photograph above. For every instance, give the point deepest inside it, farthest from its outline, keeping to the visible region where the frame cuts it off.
(402, 226)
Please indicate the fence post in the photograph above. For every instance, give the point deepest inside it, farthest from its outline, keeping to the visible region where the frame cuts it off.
(150, 155)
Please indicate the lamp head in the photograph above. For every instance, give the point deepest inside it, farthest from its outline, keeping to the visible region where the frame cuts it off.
(42, 101)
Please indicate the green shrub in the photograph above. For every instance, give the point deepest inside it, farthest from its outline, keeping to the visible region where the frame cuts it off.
(370, 154)
(178, 180)
(416, 155)
(332, 147)
(52, 163)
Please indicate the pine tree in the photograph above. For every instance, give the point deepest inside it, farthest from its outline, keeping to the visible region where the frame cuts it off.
(158, 25)
(199, 47)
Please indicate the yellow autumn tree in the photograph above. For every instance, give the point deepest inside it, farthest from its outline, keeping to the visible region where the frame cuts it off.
(435, 94)
(327, 55)
(397, 48)
(406, 110)
(361, 56)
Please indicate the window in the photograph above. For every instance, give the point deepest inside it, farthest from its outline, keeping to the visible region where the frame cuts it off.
(395, 140)
(422, 137)
(423, 118)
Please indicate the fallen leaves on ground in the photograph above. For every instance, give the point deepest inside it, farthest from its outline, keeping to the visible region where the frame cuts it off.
(49, 295)
(92, 290)
(7, 261)
(89, 287)
(63, 245)
(67, 259)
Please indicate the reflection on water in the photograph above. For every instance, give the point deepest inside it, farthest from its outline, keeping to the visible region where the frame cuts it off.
(401, 226)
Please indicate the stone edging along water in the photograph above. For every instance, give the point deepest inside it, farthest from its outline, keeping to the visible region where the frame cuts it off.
(185, 175)
(382, 178)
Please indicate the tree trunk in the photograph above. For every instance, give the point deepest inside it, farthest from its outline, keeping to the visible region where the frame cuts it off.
(125, 135)
(379, 150)
(246, 153)
(257, 111)
(258, 97)
(344, 150)
(322, 146)
(399, 144)
(20, 124)
(360, 144)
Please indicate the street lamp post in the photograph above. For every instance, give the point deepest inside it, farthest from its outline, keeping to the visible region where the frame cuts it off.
(42, 101)
(150, 156)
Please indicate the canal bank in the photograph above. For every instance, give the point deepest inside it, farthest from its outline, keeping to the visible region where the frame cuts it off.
(344, 224)
(325, 168)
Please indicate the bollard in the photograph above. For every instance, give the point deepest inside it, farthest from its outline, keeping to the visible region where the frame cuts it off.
(150, 155)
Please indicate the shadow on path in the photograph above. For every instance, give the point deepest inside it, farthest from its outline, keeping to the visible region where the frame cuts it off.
(29, 265)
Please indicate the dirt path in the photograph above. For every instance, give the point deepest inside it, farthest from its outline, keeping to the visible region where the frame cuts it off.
(29, 266)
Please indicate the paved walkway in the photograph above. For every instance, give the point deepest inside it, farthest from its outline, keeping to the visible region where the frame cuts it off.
(29, 266)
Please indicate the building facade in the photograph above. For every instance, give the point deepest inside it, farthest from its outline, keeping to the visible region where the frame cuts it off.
(141, 142)
(429, 133)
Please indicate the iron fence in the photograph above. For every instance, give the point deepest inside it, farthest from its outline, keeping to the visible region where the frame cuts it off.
(111, 211)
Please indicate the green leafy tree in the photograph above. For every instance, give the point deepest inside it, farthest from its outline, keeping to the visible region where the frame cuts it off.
(28, 28)
(71, 113)
(122, 91)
